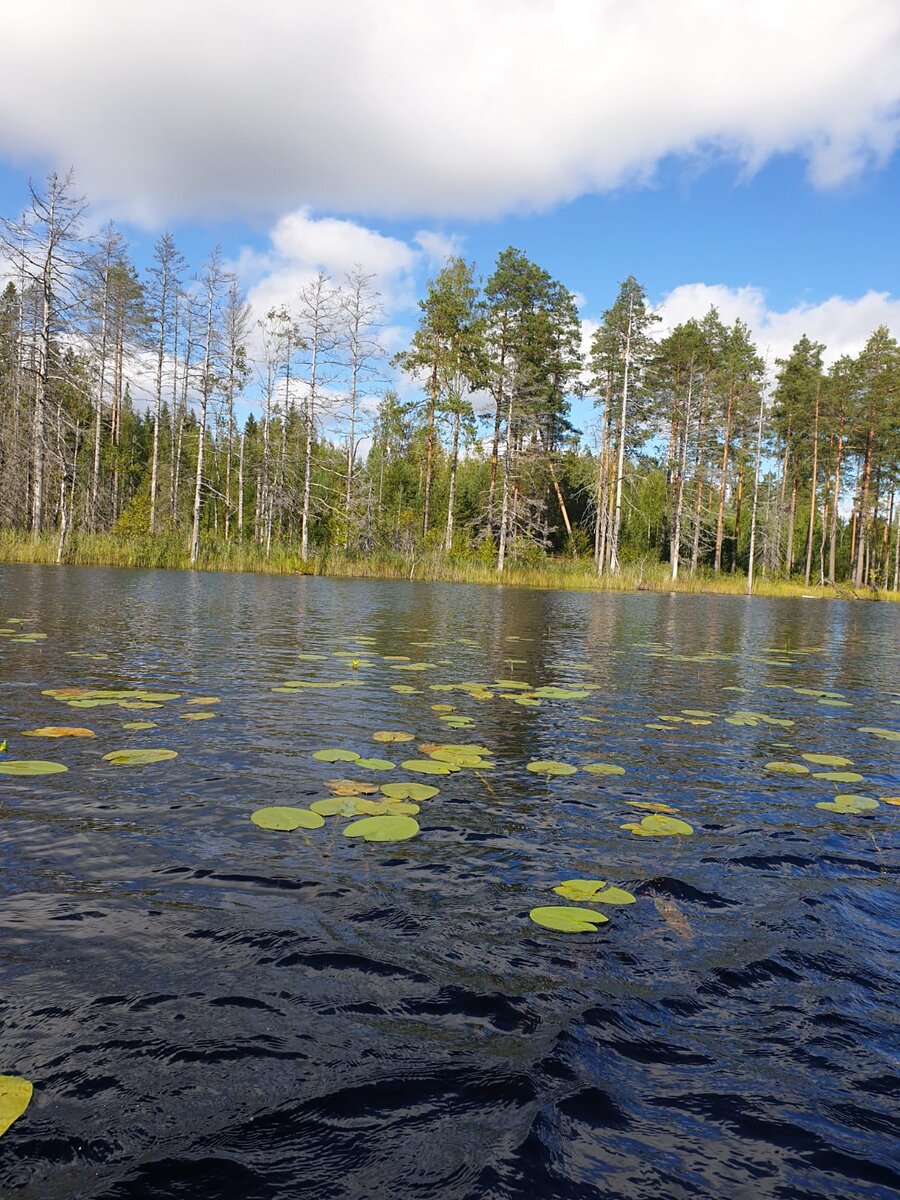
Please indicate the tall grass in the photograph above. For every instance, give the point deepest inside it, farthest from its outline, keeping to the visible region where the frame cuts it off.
(170, 551)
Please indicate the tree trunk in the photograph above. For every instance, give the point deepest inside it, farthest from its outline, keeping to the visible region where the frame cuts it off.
(98, 413)
(429, 448)
(620, 459)
(813, 493)
(675, 548)
(755, 506)
(858, 573)
(832, 540)
(451, 499)
(723, 483)
(240, 503)
(737, 516)
(507, 469)
(792, 516)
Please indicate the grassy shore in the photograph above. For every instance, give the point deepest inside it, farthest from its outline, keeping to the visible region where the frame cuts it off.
(105, 550)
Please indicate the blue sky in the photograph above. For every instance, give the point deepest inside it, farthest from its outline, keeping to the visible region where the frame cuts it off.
(737, 154)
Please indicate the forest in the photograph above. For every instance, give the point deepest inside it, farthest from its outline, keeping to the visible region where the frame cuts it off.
(151, 418)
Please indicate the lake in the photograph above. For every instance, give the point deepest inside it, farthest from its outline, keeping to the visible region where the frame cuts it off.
(210, 1009)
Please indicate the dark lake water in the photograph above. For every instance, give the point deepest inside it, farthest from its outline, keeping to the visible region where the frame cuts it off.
(212, 1010)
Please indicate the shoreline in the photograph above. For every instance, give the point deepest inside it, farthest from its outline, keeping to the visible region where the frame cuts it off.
(167, 553)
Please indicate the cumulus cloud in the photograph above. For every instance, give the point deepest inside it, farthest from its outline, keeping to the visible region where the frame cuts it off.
(302, 244)
(395, 107)
(843, 324)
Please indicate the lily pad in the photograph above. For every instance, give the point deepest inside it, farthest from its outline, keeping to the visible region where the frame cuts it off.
(409, 791)
(375, 764)
(563, 919)
(839, 776)
(203, 701)
(138, 758)
(427, 766)
(350, 787)
(287, 819)
(392, 735)
(603, 769)
(383, 829)
(198, 716)
(15, 1096)
(579, 889)
(30, 766)
(59, 731)
(139, 725)
(550, 767)
(849, 804)
(658, 825)
(613, 895)
(828, 760)
(333, 756)
(890, 735)
(787, 768)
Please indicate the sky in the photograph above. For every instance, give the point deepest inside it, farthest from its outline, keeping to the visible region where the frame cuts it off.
(742, 153)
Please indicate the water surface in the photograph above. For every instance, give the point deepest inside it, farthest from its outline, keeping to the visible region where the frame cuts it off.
(209, 1010)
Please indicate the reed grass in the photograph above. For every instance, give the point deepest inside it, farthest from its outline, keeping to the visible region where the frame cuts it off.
(169, 551)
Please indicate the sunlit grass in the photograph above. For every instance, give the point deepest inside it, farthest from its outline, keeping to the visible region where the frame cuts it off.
(170, 551)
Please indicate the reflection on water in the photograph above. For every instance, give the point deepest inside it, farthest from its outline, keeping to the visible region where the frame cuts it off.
(211, 1010)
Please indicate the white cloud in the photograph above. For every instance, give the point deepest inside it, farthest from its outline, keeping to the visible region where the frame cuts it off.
(301, 245)
(399, 107)
(842, 324)
(438, 247)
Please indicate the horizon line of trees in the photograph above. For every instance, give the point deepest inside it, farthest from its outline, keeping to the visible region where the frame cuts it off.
(120, 395)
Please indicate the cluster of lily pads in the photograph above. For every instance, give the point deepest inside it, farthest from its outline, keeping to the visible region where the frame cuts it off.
(383, 812)
(562, 918)
(12, 629)
(847, 804)
(89, 698)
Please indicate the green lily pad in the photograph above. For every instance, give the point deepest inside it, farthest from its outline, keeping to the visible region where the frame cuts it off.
(563, 919)
(613, 895)
(839, 776)
(658, 825)
(375, 764)
(392, 735)
(198, 716)
(550, 767)
(787, 768)
(139, 725)
(383, 829)
(30, 766)
(828, 760)
(333, 756)
(849, 804)
(336, 806)
(427, 766)
(603, 769)
(138, 758)
(287, 819)
(58, 731)
(579, 889)
(15, 1096)
(890, 735)
(409, 791)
